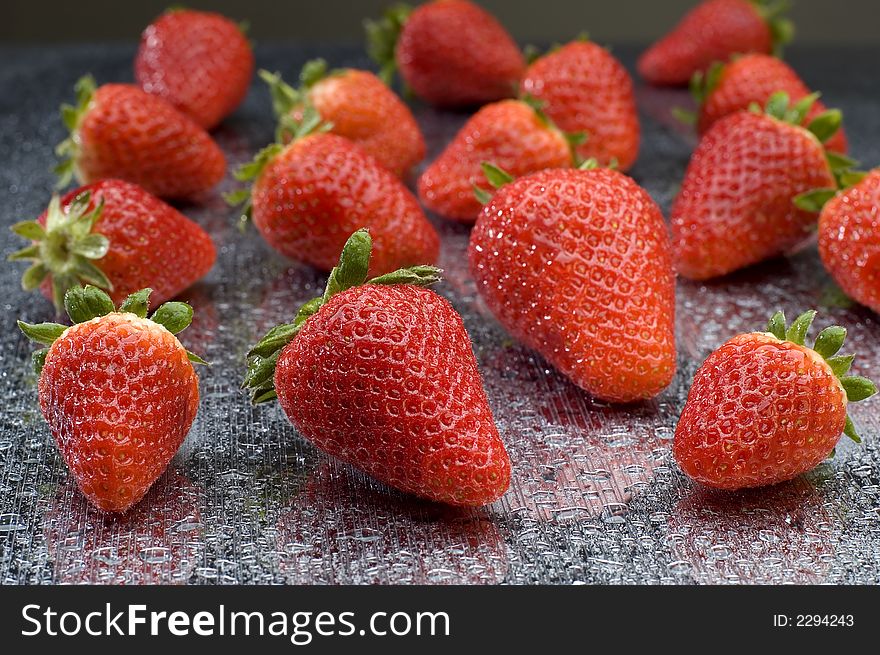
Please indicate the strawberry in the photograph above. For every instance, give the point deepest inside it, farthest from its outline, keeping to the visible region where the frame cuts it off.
(714, 31)
(117, 236)
(735, 207)
(118, 391)
(450, 53)
(119, 131)
(198, 61)
(576, 264)
(512, 134)
(583, 88)
(764, 408)
(358, 106)
(849, 239)
(381, 374)
(310, 195)
(728, 88)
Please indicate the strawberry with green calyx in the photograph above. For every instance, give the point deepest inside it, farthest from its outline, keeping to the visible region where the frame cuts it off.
(118, 391)
(735, 207)
(308, 196)
(115, 235)
(764, 408)
(358, 106)
(380, 373)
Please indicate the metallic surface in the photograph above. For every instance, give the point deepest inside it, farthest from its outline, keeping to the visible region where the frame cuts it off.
(595, 497)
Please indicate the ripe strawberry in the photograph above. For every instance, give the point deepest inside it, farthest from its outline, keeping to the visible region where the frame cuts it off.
(118, 391)
(728, 88)
(735, 207)
(849, 240)
(118, 131)
(310, 195)
(511, 134)
(713, 31)
(451, 53)
(381, 374)
(583, 88)
(198, 61)
(576, 264)
(117, 236)
(358, 106)
(764, 408)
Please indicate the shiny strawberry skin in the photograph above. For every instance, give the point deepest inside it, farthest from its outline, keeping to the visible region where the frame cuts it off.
(735, 207)
(453, 53)
(138, 137)
(712, 31)
(198, 61)
(319, 189)
(152, 245)
(577, 266)
(849, 240)
(364, 110)
(585, 89)
(509, 134)
(760, 411)
(384, 378)
(754, 78)
(119, 395)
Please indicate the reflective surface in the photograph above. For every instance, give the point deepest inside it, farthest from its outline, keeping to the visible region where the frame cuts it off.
(595, 497)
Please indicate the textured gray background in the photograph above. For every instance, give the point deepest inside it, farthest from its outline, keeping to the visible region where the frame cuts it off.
(595, 497)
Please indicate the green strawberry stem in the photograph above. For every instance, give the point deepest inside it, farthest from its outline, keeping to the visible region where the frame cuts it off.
(72, 116)
(827, 345)
(781, 28)
(351, 272)
(382, 36)
(65, 249)
(83, 304)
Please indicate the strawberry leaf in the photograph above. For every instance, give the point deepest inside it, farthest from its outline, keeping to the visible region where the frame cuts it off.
(776, 326)
(850, 431)
(830, 341)
(813, 201)
(840, 365)
(799, 328)
(826, 125)
(173, 316)
(382, 38)
(137, 303)
(85, 303)
(496, 176)
(857, 388)
(44, 333)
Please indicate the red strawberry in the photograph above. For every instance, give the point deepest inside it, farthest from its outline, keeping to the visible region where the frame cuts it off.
(713, 31)
(118, 391)
(849, 240)
(310, 195)
(512, 135)
(735, 207)
(576, 264)
(198, 61)
(451, 53)
(118, 131)
(117, 236)
(764, 408)
(359, 107)
(583, 88)
(731, 87)
(381, 374)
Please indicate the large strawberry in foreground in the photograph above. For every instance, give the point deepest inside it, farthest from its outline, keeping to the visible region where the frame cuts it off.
(358, 106)
(118, 391)
(736, 204)
(115, 235)
(714, 31)
(199, 61)
(451, 53)
(764, 408)
(380, 373)
(119, 131)
(576, 264)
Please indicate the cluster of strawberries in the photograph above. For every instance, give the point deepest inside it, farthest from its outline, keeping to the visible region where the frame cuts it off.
(572, 256)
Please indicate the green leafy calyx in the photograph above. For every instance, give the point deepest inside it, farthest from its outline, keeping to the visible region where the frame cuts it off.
(72, 117)
(496, 177)
(382, 36)
(781, 28)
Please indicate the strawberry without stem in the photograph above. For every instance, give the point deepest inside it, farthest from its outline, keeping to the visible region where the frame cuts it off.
(576, 264)
(451, 53)
(381, 374)
(118, 131)
(358, 106)
(764, 408)
(115, 235)
(118, 391)
(198, 61)
(583, 88)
